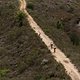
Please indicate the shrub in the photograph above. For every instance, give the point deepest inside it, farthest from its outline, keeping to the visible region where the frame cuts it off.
(20, 18)
(71, 9)
(74, 38)
(39, 77)
(3, 51)
(0, 12)
(14, 34)
(21, 67)
(60, 25)
(3, 72)
(30, 6)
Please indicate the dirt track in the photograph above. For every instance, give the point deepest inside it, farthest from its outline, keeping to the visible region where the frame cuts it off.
(59, 56)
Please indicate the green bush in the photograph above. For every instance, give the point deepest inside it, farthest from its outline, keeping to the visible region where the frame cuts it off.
(60, 25)
(20, 18)
(30, 6)
(3, 72)
(74, 38)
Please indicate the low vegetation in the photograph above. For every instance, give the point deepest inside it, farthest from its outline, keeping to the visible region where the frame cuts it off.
(30, 6)
(22, 51)
(74, 39)
(57, 18)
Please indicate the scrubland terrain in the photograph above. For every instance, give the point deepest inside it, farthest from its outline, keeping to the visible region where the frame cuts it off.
(23, 56)
(60, 20)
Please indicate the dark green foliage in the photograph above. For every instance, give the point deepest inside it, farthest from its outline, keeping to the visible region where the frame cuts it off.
(14, 34)
(20, 18)
(74, 38)
(60, 25)
(30, 6)
(39, 77)
(3, 72)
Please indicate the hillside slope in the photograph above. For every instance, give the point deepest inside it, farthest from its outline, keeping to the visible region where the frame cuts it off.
(59, 21)
(23, 56)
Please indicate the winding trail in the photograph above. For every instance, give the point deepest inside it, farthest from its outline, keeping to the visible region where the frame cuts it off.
(59, 55)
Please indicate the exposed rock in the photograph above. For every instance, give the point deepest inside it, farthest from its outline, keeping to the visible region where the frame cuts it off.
(44, 61)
